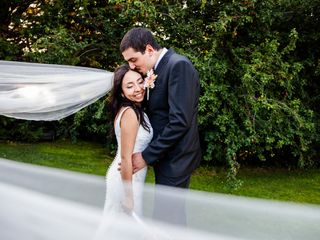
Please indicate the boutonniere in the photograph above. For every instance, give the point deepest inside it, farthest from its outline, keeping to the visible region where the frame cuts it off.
(149, 81)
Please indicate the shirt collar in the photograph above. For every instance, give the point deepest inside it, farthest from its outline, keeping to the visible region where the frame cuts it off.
(163, 52)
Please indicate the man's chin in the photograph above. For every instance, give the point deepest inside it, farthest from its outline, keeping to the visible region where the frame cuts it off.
(142, 71)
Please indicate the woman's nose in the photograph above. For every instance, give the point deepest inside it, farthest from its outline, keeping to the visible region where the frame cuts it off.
(137, 87)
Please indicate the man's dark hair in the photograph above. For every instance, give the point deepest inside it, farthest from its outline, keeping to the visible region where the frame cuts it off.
(138, 39)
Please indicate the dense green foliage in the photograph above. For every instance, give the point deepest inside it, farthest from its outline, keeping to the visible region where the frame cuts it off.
(258, 61)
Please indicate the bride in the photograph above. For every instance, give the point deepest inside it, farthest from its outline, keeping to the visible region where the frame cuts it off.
(133, 132)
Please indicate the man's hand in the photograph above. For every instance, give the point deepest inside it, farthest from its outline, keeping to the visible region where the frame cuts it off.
(138, 162)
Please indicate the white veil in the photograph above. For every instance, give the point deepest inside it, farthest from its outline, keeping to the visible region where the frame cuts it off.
(49, 204)
(48, 92)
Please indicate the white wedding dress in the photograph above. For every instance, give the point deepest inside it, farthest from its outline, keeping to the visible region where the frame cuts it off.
(114, 184)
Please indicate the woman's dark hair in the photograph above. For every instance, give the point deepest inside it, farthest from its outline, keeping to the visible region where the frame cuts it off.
(138, 38)
(118, 100)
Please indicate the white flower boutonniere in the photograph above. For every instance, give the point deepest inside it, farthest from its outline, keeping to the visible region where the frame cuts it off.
(149, 81)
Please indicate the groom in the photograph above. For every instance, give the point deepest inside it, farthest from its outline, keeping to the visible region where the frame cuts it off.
(172, 108)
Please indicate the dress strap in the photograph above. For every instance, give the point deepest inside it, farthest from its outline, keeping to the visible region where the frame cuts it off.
(120, 116)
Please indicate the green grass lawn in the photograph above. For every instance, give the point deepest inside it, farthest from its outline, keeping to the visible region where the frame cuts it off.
(279, 184)
(82, 156)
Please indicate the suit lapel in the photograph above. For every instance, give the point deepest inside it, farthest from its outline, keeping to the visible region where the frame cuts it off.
(164, 60)
(160, 68)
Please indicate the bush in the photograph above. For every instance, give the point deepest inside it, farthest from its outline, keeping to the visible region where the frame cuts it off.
(258, 62)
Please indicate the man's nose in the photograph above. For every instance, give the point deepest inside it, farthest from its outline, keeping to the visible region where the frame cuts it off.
(131, 65)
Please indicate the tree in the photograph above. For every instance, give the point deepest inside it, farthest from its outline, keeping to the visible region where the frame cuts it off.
(258, 62)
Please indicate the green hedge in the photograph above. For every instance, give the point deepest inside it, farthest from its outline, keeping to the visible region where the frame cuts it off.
(258, 62)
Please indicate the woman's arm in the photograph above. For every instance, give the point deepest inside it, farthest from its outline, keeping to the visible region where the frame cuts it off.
(129, 126)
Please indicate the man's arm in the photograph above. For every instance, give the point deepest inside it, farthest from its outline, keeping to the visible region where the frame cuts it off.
(183, 97)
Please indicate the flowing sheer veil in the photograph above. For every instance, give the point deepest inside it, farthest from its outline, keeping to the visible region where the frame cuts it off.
(47, 92)
(49, 204)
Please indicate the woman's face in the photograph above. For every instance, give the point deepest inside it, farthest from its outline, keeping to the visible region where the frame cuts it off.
(133, 86)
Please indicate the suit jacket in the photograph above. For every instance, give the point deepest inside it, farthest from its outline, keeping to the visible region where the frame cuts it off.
(172, 109)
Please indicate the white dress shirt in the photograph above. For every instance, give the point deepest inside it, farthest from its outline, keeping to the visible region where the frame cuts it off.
(163, 52)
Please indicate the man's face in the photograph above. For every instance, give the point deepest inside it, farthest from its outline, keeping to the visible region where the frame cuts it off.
(138, 61)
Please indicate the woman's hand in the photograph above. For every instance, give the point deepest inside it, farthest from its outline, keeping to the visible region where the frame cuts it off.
(127, 204)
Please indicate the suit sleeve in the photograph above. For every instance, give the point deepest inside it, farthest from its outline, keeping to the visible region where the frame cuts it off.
(182, 99)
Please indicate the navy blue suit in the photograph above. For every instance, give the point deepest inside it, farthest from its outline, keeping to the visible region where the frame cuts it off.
(172, 109)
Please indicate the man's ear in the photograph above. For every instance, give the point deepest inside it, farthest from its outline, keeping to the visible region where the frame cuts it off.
(149, 50)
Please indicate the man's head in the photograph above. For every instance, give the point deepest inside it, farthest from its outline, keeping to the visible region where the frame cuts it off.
(140, 49)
